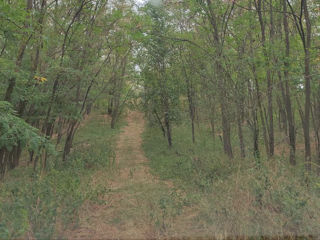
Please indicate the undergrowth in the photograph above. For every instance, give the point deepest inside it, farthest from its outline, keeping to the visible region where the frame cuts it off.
(239, 197)
(41, 205)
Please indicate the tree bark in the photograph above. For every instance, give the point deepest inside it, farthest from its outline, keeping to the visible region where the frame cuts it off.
(69, 139)
(168, 126)
(190, 95)
(269, 123)
(307, 77)
(212, 122)
(287, 94)
(240, 135)
(159, 122)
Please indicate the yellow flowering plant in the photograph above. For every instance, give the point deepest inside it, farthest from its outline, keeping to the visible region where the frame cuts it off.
(40, 79)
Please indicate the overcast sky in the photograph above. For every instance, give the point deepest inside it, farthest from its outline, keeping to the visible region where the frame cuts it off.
(154, 2)
(140, 2)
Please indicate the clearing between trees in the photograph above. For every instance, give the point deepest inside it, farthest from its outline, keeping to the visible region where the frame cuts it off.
(125, 213)
(170, 200)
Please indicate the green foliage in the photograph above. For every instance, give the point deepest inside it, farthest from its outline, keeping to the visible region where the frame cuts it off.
(14, 131)
(44, 204)
(14, 218)
(169, 206)
(235, 196)
(162, 86)
(187, 163)
(34, 204)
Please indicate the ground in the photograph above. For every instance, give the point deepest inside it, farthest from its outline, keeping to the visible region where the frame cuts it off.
(137, 204)
(128, 204)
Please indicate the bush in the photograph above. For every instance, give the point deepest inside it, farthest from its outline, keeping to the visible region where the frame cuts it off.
(236, 197)
(42, 204)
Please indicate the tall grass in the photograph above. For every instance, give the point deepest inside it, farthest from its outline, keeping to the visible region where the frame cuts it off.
(239, 197)
(41, 205)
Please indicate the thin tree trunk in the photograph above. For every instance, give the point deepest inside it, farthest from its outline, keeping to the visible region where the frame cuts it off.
(287, 95)
(2, 163)
(240, 135)
(114, 115)
(315, 113)
(226, 130)
(269, 123)
(221, 73)
(258, 100)
(168, 126)
(258, 93)
(254, 123)
(160, 122)
(212, 122)
(110, 104)
(117, 92)
(282, 113)
(69, 139)
(49, 122)
(307, 76)
(59, 131)
(190, 95)
(256, 151)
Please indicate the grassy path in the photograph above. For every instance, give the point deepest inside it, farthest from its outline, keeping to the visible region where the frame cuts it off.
(139, 205)
(130, 208)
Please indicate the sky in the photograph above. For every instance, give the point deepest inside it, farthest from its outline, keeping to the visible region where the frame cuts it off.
(153, 2)
(140, 2)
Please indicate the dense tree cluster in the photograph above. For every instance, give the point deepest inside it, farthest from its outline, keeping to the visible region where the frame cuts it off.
(241, 67)
(231, 92)
(58, 58)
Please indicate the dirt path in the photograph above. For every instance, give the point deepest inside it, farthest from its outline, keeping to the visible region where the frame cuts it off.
(130, 205)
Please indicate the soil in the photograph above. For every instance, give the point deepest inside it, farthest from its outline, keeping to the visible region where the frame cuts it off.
(125, 212)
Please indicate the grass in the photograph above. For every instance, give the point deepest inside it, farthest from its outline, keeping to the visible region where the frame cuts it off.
(239, 197)
(211, 195)
(39, 205)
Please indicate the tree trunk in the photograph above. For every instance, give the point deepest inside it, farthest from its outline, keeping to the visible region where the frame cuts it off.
(282, 112)
(307, 77)
(315, 113)
(256, 151)
(269, 123)
(240, 135)
(60, 130)
(114, 116)
(168, 127)
(260, 107)
(159, 122)
(212, 122)
(70, 134)
(48, 123)
(190, 95)
(110, 104)
(254, 116)
(226, 131)
(287, 95)
(2, 163)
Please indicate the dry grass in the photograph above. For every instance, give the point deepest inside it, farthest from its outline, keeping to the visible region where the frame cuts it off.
(254, 203)
(239, 198)
(246, 200)
(123, 209)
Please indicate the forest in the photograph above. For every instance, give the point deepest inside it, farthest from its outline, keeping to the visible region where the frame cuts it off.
(159, 119)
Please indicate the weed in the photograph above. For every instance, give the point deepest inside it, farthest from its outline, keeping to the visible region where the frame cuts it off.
(239, 197)
(40, 204)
